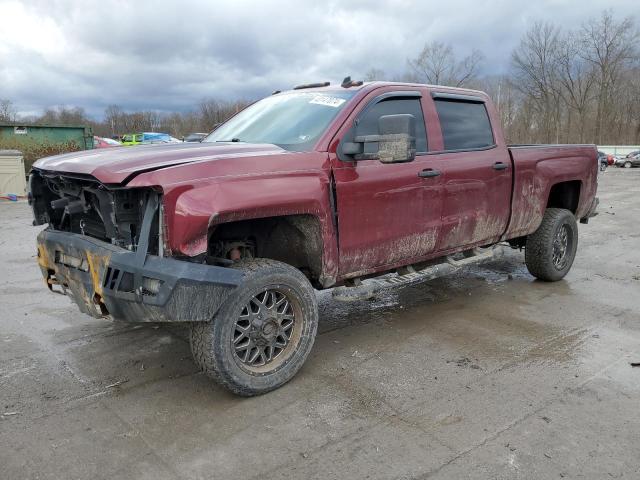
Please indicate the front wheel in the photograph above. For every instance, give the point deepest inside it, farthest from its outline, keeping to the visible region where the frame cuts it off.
(627, 164)
(264, 331)
(551, 249)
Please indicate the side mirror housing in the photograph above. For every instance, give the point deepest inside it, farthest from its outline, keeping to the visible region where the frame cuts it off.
(395, 143)
(397, 138)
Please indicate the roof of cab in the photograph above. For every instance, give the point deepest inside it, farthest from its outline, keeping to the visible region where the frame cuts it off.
(368, 86)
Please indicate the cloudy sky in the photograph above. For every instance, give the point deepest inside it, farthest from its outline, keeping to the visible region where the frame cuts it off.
(168, 55)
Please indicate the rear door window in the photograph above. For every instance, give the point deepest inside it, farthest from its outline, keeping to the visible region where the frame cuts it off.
(465, 125)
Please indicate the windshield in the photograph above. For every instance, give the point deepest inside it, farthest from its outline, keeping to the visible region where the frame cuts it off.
(293, 121)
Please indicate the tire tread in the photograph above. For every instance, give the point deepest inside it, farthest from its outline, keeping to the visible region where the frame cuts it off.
(538, 247)
(206, 352)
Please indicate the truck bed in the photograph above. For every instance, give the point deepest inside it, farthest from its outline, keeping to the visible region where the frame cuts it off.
(536, 169)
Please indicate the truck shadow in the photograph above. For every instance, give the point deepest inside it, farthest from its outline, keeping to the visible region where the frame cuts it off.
(396, 302)
(121, 357)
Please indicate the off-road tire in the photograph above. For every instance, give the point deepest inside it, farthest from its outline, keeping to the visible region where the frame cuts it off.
(211, 342)
(539, 249)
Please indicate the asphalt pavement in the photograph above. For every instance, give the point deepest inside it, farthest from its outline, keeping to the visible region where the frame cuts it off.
(483, 374)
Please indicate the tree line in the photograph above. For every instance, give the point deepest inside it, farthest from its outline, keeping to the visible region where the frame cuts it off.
(116, 121)
(576, 85)
(563, 85)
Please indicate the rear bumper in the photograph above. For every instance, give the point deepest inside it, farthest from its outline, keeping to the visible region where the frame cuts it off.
(103, 279)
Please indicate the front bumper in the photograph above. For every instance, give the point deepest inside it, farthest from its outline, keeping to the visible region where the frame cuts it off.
(103, 279)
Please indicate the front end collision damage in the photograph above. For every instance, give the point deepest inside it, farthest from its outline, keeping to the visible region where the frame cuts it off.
(106, 280)
(197, 212)
(133, 284)
(166, 235)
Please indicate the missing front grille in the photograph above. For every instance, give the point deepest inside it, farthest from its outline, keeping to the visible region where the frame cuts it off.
(126, 283)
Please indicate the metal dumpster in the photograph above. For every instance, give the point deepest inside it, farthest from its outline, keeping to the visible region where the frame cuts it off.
(37, 141)
(12, 173)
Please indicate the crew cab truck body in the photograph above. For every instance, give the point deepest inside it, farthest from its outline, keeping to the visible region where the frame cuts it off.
(313, 188)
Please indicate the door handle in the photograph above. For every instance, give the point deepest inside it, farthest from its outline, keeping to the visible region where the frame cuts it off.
(428, 173)
(500, 166)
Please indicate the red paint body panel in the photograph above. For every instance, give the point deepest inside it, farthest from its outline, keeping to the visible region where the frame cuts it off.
(399, 211)
(476, 197)
(100, 142)
(244, 187)
(116, 165)
(387, 216)
(409, 218)
(538, 168)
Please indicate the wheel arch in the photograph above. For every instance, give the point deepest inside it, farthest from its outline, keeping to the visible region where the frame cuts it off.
(295, 239)
(565, 195)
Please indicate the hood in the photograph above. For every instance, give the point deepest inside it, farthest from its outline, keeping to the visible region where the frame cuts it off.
(117, 165)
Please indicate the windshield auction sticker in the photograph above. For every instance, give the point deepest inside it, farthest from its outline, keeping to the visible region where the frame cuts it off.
(327, 101)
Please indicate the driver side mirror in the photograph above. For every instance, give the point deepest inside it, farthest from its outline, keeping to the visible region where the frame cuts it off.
(396, 142)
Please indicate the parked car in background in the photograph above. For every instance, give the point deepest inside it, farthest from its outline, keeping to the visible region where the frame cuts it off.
(195, 137)
(152, 138)
(604, 160)
(631, 160)
(147, 138)
(103, 142)
(132, 139)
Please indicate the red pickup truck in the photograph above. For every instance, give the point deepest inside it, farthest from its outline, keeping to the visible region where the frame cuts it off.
(313, 188)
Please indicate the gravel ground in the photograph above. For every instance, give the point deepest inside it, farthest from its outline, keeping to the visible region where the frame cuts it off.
(484, 374)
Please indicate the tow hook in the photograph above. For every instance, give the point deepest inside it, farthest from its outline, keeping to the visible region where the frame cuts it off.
(52, 281)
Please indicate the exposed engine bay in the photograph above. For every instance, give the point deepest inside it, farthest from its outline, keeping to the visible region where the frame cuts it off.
(85, 206)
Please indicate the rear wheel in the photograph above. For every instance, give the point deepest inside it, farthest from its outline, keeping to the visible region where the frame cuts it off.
(551, 249)
(263, 333)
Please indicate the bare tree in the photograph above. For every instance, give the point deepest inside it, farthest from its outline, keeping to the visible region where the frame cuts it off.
(611, 47)
(437, 64)
(113, 118)
(505, 97)
(209, 111)
(63, 115)
(577, 80)
(536, 75)
(7, 111)
(151, 120)
(214, 112)
(633, 105)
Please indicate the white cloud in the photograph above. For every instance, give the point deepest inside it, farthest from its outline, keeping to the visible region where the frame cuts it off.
(169, 55)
